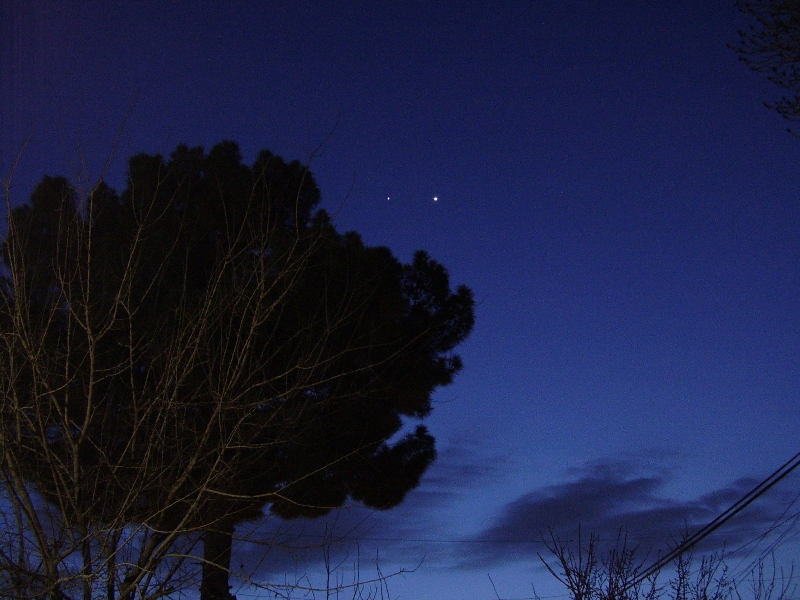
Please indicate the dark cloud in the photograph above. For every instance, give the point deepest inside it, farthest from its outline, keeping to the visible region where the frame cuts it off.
(461, 465)
(604, 498)
(609, 498)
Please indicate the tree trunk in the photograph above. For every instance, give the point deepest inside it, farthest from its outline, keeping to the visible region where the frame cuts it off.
(87, 571)
(217, 562)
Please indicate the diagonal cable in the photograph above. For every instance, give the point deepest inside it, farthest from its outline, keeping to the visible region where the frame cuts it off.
(691, 541)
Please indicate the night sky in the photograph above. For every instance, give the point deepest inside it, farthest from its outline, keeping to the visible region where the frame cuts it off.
(603, 175)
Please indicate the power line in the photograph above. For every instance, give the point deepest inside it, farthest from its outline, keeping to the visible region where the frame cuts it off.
(738, 506)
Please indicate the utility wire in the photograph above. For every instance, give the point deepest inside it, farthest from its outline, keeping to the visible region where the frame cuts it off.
(691, 541)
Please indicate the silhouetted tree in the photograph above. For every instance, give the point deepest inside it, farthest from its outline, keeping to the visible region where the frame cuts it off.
(590, 572)
(206, 344)
(772, 47)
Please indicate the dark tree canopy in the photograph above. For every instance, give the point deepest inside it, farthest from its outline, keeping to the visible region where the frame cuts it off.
(772, 46)
(209, 341)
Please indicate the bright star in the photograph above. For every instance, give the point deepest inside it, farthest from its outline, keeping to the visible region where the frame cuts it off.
(435, 198)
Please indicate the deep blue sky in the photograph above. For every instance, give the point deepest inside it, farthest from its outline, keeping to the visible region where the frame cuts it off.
(609, 183)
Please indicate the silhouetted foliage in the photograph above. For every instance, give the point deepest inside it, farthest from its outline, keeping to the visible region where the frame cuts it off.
(772, 47)
(590, 572)
(202, 346)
